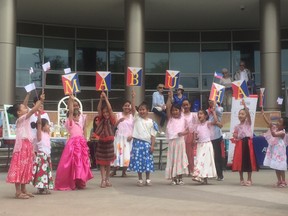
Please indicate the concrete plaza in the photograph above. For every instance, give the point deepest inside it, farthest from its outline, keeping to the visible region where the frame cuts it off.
(125, 198)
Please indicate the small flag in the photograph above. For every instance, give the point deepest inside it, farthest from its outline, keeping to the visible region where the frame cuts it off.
(30, 87)
(261, 99)
(280, 101)
(172, 79)
(218, 75)
(103, 80)
(70, 83)
(240, 89)
(134, 76)
(217, 93)
(31, 70)
(46, 66)
(67, 70)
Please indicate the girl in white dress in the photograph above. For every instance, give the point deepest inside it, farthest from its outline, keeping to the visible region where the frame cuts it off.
(275, 156)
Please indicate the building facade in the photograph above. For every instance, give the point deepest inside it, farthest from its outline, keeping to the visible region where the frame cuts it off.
(139, 35)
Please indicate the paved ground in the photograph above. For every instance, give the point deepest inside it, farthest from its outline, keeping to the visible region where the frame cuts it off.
(125, 198)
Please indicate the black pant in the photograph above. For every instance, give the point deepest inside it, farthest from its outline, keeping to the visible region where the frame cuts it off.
(92, 148)
(162, 114)
(218, 156)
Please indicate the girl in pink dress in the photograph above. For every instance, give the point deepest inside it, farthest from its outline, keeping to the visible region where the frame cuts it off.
(42, 169)
(204, 166)
(123, 137)
(275, 156)
(20, 170)
(191, 121)
(74, 166)
(177, 162)
(244, 157)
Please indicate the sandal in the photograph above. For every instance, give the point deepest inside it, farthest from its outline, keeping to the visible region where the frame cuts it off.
(103, 184)
(29, 194)
(248, 183)
(21, 196)
(242, 183)
(108, 184)
(124, 175)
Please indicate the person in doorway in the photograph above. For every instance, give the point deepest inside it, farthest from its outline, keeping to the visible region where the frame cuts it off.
(159, 106)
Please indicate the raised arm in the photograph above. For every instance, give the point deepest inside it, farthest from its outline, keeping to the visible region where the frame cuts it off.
(99, 110)
(133, 109)
(278, 133)
(109, 107)
(169, 103)
(247, 112)
(71, 107)
(26, 99)
(37, 106)
(265, 118)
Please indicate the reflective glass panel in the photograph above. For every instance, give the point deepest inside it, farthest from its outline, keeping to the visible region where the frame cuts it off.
(116, 57)
(215, 56)
(185, 58)
(91, 56)
(60, 53)
(28, 54)
(156, 57)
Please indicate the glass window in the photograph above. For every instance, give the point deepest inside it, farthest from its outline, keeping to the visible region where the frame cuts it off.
(60, 53)
(216, 36)
(59, 31)
(156, 36)
(184, 36)
(116, 35)
(189, 82)
(207, 81)
(91, 56)
(91, 33)
(185, 58)
(28, 28)
(284, 56)
(28, 54)
(156, 57)
(151, 81)
(248, 35)
(117, 81)
(116, 56)
(215, 57)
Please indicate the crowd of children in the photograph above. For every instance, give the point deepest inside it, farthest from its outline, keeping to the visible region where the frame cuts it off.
(127, 140)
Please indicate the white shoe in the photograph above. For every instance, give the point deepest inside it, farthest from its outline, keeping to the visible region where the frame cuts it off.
(148, 182)
(162, 133)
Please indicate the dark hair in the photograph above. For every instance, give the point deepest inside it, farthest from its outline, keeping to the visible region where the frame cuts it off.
(186, 99)
(94, 124)
(76, 112)
(176, 106)
(14, 109)
(205, 113)
(144, 104)
(43, 123)
(127, 101)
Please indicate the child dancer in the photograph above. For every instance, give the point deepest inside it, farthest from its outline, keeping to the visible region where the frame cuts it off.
(144, 132)
(123, 137)
(42, 170)
(204, 164)
(177, 161)
(20, 170)
(74, 166)
(191, 121)
(244, 157)
(276, 152)
(105, 148)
